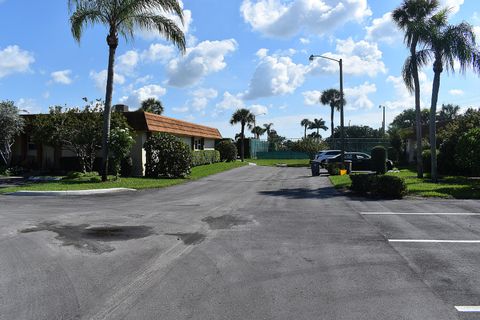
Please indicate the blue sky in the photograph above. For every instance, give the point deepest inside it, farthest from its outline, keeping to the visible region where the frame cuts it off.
(241, 53)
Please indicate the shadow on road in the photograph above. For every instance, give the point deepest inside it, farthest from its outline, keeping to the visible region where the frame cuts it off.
(303, 193)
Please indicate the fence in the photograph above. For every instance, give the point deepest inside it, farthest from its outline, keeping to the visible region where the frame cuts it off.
(359, 144)
(282, 155)
(256, 146)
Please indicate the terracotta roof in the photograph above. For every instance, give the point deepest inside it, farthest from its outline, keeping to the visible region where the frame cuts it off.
(155, 123)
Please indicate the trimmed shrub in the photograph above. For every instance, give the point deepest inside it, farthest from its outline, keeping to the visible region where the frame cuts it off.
(167, 156)
(379, 185)
(228, 150)
(334, 168)
(393, 155)
(202, 157)
(427, 160)
(379, 160)
(468, 150)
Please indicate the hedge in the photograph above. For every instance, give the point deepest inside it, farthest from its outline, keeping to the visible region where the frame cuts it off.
(382, 186)
(202, 157)
(379, 159)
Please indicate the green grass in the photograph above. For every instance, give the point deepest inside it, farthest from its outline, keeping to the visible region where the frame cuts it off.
(133, 183)
(274, 162)
(448, 187)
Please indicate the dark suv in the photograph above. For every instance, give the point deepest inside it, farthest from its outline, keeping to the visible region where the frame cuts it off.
(360, 160)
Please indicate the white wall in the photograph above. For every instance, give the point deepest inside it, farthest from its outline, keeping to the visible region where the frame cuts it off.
(209, 144)
(139, 156)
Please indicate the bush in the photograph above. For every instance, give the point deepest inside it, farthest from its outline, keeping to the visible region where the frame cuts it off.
(121, 142)
(228, 150)
(379, 185)
(167, 156)
(379, 160)
(468, 151)
(393, 155)
(310, 146)
(427, 160)
(126, 167)
(202, 157)
(334, 168)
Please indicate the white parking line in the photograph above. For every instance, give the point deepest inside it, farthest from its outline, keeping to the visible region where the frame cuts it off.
(433, 241)
(468, 308)
(424, 213)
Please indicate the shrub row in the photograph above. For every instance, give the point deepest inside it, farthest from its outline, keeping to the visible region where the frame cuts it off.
(202, 157)
(379, 185)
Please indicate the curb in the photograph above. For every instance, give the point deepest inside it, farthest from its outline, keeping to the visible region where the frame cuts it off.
(70, 192)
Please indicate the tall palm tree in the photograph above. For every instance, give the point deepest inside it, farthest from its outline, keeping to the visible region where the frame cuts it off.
(245, 118)
(333, 98)
(305, 123)
(152, 105)
(318, 124)
(411, 17)
(258, 131)
(122, 17)
(268, 128)
(446, 44)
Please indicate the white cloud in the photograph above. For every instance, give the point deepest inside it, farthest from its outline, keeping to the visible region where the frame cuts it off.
(158, 52)
(456, 92)
(304, 41)
(454, 5)
(276, 18)
(384, 30)
(262, 53)
(403, 98)
(62, 77)
(100, 79)
(135, 98)
(359, 58)
(311, 98)
(258, 109)
(28, 106)
(205, 58)
(476, 29)
(357, 97)
(201, 98)
(275, 76)
(180, 109)
(15, 60)
(230, 102)
(127, 62)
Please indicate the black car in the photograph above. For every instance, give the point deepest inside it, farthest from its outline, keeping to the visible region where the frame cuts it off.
(360, 161)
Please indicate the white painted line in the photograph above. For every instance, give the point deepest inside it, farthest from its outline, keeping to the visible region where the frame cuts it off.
(468, 308)
(424, 213)
(433, 241)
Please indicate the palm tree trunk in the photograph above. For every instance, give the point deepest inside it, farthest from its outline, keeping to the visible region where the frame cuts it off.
(242, 146)
(112, 41)
(332, 114)
(305, 134)
(433, 125)
(418, 111)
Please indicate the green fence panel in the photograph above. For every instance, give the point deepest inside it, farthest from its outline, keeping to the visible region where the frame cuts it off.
(282, 155)
(257, 146)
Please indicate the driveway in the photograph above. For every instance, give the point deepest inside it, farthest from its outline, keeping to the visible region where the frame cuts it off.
(251, 243)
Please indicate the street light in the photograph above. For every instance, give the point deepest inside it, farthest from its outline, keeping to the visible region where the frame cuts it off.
(342, 133)
(383, 122)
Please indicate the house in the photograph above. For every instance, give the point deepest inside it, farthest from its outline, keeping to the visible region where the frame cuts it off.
(28, 154)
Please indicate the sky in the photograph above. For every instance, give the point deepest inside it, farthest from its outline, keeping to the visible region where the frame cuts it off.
(240, 54)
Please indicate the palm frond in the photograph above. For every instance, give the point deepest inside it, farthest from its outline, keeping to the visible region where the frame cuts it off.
(83, 17)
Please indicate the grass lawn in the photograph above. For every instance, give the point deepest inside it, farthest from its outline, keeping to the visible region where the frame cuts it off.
(448, 186)
(274, 162)
(133, 183)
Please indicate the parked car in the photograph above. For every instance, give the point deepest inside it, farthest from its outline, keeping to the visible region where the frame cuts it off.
(323, 155)
(360, 161)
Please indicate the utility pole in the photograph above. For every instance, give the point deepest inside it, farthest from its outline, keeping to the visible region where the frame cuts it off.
(383, 122)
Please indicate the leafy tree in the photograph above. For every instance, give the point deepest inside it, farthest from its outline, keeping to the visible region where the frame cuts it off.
(152, 105)
(310, 146)
(245, 118)
(268, 128)
(412, 17)
(407, 119)
(275, 141)
(121, 142)
(11, 125)
(446, 44)
(318, 124)
(467, 151)
(448, 112)
(306, 124)
(123, 17)
(333, 98)
(358, 132)
(258, 131)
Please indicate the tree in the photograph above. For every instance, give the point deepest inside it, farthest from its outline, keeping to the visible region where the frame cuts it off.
(268, 128)
(123, 17)
(305, 123)
(310, 146)
(448, 112)
(411, 17)
(258, 131)
(11, 125)
(121, 142)
(359, 132)
(245, 118)
(333, 98)
(318, 124)
(152, 105)
(407, 119)
(446, 45)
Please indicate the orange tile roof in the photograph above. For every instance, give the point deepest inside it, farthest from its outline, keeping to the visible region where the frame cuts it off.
(157, 123)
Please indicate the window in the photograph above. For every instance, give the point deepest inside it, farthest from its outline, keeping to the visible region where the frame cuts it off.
(31, 144)
(198, 144)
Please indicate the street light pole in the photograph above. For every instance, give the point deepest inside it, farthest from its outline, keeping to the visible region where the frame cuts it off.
(342, 118)
(383, 122)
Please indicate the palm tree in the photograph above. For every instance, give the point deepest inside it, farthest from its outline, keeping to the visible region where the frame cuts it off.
(268, 128)
(412, 17)
(332, 97)
(446, 44)
(245, 118)
(305, 123)
(318, 124)
(152, 105)
(258, 131)
(123, 17)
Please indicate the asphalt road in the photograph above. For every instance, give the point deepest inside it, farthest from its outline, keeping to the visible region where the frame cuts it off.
(252, 243)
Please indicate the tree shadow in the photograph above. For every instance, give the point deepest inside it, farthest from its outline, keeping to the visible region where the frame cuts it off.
(303, 193)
